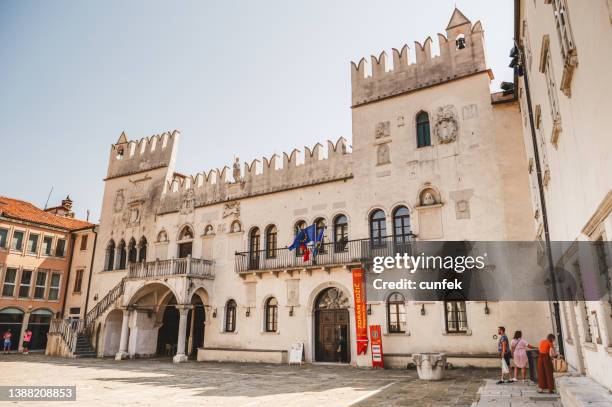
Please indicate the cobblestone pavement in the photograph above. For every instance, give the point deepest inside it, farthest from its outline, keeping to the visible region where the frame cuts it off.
(517, 394)
(150, 382)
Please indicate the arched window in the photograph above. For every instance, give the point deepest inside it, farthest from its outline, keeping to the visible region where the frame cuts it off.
(109, 262)
(230, 316)
(271, 241)
(455, 313)
(396, 313)
(422, 128)
(401, 225)
(271, 315)
(378, 227)
(186, 233)
(121, 255)
(142, 249)
(254, 236)
(132, 251)
(340, 233)
(460, 41)
(299, 225)
(185, 245)
(320, 228)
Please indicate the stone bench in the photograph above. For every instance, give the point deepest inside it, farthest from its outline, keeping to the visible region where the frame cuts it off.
(578, 391)
(242, 355)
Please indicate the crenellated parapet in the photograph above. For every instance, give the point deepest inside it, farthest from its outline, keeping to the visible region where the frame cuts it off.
(295, 169)
(134, 156)
(461, 54)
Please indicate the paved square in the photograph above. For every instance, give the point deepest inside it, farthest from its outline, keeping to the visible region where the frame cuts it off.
(150, 382)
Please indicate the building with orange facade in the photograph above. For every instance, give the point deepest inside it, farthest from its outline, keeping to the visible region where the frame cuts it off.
(45, 257)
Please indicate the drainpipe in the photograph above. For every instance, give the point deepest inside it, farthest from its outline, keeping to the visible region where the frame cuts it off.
(93, 255)
(73, 245)
(536, 154)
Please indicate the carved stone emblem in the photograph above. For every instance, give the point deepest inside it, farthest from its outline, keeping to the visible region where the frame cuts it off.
(231, 208)
(400, 121)
(428, 199)
(119, 201)
(382, 130)
(382, 154)
(446, 126)
(188, 202)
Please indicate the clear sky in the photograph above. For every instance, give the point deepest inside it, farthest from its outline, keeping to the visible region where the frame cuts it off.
(245, 78)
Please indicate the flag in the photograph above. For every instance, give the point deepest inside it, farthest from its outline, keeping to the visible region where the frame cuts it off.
(299, 240)
(307, 237)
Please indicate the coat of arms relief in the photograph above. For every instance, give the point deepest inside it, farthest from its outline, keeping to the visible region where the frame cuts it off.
(446, 126)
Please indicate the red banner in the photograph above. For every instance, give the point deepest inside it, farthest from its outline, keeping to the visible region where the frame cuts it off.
(361, 322)
(377, 350)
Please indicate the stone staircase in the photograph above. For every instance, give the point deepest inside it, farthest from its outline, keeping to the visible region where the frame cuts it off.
(83, 348)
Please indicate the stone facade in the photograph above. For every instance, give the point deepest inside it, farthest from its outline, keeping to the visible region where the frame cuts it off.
(428, 139)
(566, 68)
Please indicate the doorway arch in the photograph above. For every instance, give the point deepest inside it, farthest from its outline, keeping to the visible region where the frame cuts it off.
(12, 318)
(332, 326)
(196, 319)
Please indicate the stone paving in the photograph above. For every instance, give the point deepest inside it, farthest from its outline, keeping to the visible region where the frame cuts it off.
(518, 394)
(152, 382)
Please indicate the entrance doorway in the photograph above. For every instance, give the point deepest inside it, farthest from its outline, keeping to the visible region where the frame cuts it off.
(332, 333)
(167, 335)
(11, 319)
(39, 323)
(195, 326)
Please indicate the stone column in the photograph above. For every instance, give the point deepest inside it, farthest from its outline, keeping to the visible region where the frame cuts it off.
(24, 325)
(123, 344)
(182, 333)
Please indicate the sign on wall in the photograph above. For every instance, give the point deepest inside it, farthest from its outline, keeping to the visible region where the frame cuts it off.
(296, 352)
(377, 349)
(361, 322)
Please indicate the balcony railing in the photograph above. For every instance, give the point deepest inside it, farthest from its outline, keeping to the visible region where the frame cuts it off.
(187, 266)
(332, 253)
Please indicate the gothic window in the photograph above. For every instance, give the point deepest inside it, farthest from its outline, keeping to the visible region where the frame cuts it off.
(230, 316)
(142, 249)
(340, 233)
(121, 255)
(186, 233)
(401, 225)
(132, 251)
(422, 129)
(378, 226)
(299, 225)
(271, 241)
(396, 313)
(455, 314)
(271, 315)
(110, 255)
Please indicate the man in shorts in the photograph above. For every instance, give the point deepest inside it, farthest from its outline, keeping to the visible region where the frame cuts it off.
(6, 341)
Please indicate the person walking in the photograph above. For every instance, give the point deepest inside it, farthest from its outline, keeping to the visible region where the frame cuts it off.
(503, 347)
(519, 347)
(7, 341)
(27, 337)
(546, 380)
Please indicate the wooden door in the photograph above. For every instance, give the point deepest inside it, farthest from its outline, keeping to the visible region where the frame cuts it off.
(332, 336)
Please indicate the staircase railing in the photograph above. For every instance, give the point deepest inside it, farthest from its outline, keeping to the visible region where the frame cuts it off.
(68, 329)
(102, 305)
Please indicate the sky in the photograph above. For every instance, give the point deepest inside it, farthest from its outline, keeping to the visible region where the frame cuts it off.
(237, 78)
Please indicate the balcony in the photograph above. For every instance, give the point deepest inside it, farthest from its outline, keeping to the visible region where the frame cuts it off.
(349, 253)
(187, 266)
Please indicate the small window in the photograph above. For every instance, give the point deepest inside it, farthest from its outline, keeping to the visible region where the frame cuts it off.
(17, 243)
(109, 262)
(78, 281)
(271, 315)
(3, 238)
(84, 242)
(271, 241)
(47, 245)
(378, 227)
(122, 255)
(456, 316)
(75, 310)
(230, 316)
(422, 127)
(54, 286)
(142, 250)
(32, 246)
(396, 313)
(10, 279)
(132, 252)
(60, 248)
(41, 283)
(299, 226)
(340, 233)
(25, 284)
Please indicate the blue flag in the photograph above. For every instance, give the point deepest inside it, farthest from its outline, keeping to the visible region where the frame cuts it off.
(300, 239)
